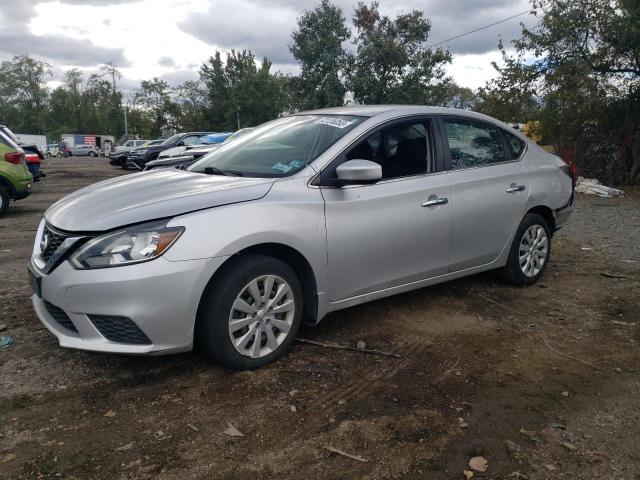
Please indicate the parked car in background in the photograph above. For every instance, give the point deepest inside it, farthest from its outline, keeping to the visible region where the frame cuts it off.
(64, 149)
(140, 156)
(85, 151)
(52, 150)
(184, 159)
(15, 179)
(118, 158)
(210, 139)
(305, 215)
(33, 164)
(27, 148)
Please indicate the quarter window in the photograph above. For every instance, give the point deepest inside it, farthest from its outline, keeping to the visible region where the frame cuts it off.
(473, 144)
(514, 144)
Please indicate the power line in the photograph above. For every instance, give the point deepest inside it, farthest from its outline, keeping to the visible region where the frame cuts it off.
(478, 29)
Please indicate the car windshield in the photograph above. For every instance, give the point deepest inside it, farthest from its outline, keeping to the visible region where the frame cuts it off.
(278, 148)
(171, 140)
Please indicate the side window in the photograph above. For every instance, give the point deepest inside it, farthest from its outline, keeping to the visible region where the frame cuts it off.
(401, 150)
(189, 140)
(514, 144)
(473, 144)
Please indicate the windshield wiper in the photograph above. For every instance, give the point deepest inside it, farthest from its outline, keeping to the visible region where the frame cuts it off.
(217, 171)
(214, 171)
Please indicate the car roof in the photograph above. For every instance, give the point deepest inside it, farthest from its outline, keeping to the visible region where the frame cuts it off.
(375, 110)
(391, 111)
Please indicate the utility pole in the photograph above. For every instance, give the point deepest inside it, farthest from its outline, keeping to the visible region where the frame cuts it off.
(238, 115)
(125, 119)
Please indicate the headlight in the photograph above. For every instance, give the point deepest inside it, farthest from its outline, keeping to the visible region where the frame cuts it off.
(136, 244)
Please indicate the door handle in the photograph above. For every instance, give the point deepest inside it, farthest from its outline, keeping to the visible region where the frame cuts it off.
(435, 201)
(515, 188)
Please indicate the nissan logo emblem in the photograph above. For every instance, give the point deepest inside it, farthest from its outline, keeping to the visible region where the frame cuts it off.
(44, 242)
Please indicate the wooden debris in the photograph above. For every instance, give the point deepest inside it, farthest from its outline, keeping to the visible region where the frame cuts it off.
(348, 347)
(345, 454)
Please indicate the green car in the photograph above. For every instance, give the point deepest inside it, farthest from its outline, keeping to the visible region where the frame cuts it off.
(15, 179)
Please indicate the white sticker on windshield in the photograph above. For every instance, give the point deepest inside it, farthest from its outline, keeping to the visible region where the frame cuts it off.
(336, 122)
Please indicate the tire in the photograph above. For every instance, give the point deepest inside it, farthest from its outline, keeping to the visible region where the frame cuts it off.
(533, 235)
(92, 154)
(4, 201)
(221, 343)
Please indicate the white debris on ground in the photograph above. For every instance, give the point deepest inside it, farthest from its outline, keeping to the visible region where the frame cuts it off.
(592, 186)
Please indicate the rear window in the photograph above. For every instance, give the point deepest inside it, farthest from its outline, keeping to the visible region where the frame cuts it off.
(6, 141)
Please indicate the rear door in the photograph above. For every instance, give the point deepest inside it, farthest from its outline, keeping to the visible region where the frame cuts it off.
(490, 188)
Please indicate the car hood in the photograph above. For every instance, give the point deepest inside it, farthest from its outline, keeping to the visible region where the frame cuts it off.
(148, 196)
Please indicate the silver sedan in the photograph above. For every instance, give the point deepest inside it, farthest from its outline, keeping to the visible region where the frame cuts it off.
(302, 216)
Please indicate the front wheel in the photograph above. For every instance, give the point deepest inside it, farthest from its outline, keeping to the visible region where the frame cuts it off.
(530, 251)
(250, 313)
(92, 154)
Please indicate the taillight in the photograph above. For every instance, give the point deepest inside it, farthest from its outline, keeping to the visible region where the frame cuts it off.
(32, 158)
(572, 172)
(14, 157)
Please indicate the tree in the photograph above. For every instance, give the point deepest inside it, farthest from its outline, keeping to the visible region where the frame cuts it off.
(25, 94)
(581, 64)
(154, 98)
(239, 93)
(317, 45)
(392, 63)
(191, 98)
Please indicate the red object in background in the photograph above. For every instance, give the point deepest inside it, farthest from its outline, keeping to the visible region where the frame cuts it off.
(568, 154)
(14, 157)
(32, 158)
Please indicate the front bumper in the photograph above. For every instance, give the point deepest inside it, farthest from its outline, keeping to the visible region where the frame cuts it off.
(160, 297)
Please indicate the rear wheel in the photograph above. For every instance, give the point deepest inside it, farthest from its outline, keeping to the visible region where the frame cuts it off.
(92, 154)
(252, 314)
(530, 251)
(4, 201)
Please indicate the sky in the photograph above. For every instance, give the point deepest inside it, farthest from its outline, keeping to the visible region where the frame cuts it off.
(170, 39)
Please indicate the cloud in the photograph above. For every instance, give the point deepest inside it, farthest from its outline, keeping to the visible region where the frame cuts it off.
(67, 51)
(177, 77)
(16, 38)
(166, 62)
(262, 27)
(265, 26)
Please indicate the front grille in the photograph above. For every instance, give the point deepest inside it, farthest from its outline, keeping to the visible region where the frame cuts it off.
(119, 329)
(60, 317)
(52, 244)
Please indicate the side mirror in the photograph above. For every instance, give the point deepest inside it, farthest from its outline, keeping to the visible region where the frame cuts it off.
(358, 172)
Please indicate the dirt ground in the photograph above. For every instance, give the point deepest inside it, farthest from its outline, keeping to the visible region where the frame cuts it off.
(543, 382)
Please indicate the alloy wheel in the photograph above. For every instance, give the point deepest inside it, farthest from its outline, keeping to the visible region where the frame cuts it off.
(533, 251)
(261, 316)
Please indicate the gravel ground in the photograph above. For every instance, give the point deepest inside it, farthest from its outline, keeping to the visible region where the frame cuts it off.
(543, 382)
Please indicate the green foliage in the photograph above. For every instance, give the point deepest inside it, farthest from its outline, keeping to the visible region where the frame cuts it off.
(392, 63)
(239, 93)
(578, 73)
(24, 96)
(154, 98)
(317, 46)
